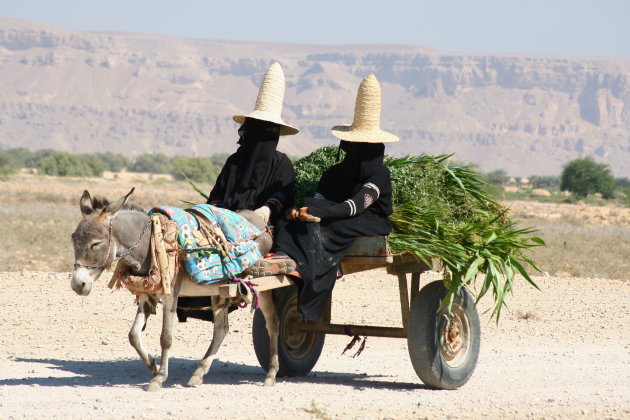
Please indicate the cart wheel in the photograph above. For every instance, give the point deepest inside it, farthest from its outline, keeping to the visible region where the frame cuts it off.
(443, 348)
(297, 351)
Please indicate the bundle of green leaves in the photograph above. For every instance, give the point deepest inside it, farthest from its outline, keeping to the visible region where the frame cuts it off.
(443, 213)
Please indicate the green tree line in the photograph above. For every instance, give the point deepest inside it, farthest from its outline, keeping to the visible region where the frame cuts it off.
(56, 163)
(581, 177)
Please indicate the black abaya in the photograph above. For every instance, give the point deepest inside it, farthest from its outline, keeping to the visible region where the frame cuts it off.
(356, 202)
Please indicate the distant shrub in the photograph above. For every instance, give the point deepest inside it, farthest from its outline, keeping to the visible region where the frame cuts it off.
(218, 159)
(113, 162)
(622, 194)
(499, 177)
(585, 176)
(548, 182)
(199, 169)
(32, 160)
(96, 165)
(7, 164)
(156, 163)
(65, 164)
(19, 155)
(622, 182)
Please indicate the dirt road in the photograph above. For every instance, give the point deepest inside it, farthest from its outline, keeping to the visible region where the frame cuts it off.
(560, 353)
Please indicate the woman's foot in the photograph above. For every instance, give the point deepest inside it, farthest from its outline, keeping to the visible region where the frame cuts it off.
(271, 265)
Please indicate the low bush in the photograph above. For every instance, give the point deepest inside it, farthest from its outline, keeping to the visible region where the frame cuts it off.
(66, 164)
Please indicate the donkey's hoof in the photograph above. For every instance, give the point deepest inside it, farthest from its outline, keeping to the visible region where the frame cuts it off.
(195, 381)
(269, 382)
(153, 386)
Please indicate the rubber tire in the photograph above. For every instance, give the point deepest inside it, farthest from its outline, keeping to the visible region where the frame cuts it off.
(424, 344)
(285, 300)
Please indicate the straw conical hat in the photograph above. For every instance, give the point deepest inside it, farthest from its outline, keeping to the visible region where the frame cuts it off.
(269, 101)
(366, 127)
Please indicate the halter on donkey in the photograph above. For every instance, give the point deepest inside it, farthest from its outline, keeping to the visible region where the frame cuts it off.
(112, 232)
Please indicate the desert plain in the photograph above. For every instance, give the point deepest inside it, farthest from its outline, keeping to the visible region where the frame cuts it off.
(561, 352)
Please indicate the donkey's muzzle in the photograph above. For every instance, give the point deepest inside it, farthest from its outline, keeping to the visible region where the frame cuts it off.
(81, 281)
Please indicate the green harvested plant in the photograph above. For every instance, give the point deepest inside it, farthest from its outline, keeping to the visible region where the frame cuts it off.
(443, 212)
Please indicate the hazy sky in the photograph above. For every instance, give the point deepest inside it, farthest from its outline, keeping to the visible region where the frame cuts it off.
(562, 27)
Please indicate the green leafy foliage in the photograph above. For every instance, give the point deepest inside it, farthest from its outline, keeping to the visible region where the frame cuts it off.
(309, 169)
(7, 164)
(585, 176)
(114, 162)
(66, 164)
(443, 212)
(96, 165)
(548, 182)
(19, 155)
(499, 176)
(156, 163)
(194, 169)
(622, 182)
(32, 160)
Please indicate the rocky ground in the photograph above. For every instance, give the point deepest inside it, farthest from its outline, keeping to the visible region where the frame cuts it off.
(563, 352)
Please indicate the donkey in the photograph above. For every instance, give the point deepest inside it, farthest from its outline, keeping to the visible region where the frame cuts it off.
(114, 231)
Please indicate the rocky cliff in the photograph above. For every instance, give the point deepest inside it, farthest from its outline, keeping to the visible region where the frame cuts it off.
(134, 93)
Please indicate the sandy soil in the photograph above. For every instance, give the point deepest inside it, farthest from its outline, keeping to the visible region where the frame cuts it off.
(560, 353)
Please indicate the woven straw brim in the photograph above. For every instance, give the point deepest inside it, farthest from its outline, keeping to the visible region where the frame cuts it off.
(285, 129)
(348, 133)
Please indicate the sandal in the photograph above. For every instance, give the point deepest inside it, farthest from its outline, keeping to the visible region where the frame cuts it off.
(271, 266)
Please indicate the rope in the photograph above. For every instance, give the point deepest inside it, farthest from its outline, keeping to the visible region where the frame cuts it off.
(251, 286)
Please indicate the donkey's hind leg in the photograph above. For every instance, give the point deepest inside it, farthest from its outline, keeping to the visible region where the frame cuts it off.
(221, 328)
(273, 327)
(145, 308)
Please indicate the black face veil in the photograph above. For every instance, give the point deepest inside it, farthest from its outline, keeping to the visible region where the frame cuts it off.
(253, 163)
(361, 159)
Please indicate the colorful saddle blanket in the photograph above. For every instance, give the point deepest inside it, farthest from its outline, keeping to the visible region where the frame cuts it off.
(239, 232)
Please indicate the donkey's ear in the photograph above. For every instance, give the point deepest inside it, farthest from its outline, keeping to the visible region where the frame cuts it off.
(113, 208)
(86, 203)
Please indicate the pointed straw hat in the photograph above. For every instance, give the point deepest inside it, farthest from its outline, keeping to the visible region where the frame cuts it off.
(269, 101)
(366, 127)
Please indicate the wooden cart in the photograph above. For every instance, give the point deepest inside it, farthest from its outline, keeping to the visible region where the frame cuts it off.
(443, 345)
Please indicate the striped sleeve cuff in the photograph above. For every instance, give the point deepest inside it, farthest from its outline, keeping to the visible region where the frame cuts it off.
(374, 187)
(353, 207)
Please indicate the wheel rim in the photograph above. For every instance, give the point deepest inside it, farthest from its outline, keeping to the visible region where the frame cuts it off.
(454, 335)
(298, 344)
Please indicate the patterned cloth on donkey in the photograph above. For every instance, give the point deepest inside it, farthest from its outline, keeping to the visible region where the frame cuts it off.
(205, 268)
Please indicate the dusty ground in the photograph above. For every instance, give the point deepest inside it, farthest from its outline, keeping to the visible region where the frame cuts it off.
(592, 215)
(560, 353)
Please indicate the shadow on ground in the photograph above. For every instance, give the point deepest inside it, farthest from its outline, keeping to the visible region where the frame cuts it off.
(133, 372)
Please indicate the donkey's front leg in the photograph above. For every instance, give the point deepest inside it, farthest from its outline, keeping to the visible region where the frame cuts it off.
(221, 328)
(272, 320)
(145, 308)
(169, 302)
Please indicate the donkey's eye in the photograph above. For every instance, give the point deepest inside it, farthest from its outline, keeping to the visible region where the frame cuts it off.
(95, 244)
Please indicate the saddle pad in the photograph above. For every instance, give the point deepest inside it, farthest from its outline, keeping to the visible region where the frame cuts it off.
(239, 232)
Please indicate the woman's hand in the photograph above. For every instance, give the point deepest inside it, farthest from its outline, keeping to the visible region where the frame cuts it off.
(291, 214)
(304, 216)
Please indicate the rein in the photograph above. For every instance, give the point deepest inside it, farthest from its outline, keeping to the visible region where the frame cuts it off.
(109, 248)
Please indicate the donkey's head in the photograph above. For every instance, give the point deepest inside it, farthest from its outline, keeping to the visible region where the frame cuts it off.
(94, 246)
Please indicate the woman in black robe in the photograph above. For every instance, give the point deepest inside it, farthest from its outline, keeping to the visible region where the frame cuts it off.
(257, 176)
(354, 198)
